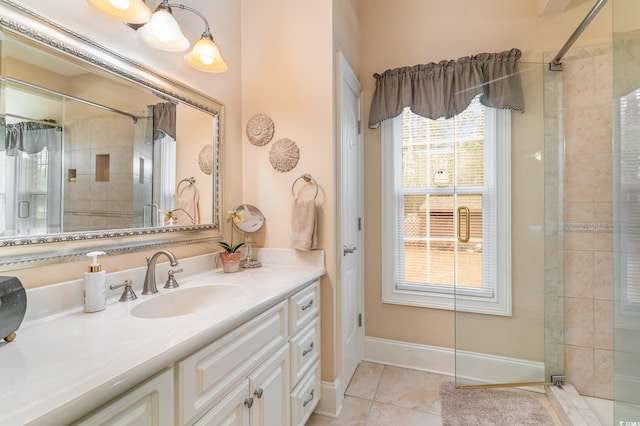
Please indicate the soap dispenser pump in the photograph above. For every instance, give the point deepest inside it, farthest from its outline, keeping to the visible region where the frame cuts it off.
(95, 292)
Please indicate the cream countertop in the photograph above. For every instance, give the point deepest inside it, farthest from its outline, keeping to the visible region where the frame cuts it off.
(68, 362)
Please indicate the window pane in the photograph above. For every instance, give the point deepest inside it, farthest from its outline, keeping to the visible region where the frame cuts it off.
(470, 146)
(428, 245)
(427, 146)
(629, 210)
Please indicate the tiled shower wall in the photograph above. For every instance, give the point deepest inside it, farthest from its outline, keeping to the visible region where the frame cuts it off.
(91, 205)
(583, 234)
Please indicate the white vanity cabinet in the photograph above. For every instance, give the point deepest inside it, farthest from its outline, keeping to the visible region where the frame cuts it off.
(150, 403)
(265, 372)
(261, 399)
(204, 378)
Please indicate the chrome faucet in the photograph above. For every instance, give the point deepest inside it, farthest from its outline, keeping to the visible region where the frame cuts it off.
(150, 277)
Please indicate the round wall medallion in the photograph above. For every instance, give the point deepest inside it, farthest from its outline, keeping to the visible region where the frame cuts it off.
(205, 159)
(260, 129)
(284, 155)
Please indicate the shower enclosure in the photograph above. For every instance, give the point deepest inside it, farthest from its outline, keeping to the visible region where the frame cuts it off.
(575, 229)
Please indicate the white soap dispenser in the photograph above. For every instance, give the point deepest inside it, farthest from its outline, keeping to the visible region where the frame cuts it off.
(95, 291)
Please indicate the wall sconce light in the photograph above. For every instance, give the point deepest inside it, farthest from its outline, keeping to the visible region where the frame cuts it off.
(132, 11)
(160, 30)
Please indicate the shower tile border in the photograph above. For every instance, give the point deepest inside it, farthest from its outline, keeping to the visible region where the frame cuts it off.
(602, 227)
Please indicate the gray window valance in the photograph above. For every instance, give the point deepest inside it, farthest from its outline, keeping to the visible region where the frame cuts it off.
(29, 137)
(164, 119)
(446, 88)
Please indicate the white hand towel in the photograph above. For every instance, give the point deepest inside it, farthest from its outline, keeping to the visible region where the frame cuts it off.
(304, 226)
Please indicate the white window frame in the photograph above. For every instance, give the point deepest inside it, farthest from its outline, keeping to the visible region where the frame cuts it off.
(497, 159)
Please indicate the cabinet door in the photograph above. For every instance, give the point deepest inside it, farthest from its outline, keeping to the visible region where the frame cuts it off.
(207, 375)
(233, 410)
(149, 404)
(269, 388)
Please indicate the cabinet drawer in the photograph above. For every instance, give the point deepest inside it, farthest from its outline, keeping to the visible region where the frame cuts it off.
(305, 396)
(303, 306)
(305, 349)
(204, 377)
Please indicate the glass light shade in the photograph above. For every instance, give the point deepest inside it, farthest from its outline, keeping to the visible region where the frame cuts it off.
(205, 56)
(163, 32)
(129, 11)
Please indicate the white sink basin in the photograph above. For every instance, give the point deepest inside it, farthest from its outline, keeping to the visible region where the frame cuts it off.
(188, 300)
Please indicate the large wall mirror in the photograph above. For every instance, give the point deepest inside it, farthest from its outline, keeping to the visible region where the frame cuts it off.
(97, 150)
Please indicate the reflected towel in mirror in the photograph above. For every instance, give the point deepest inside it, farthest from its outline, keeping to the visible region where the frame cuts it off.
(304, 225)
(187, 205)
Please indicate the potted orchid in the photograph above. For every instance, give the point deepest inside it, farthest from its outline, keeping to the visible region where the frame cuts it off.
(230, 257)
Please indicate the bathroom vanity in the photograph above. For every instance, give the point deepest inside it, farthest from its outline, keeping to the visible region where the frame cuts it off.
(247, 355)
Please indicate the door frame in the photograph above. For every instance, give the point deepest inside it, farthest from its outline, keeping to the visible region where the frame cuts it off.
(345, 75)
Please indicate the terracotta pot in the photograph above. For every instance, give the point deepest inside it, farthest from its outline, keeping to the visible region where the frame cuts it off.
(230, 261)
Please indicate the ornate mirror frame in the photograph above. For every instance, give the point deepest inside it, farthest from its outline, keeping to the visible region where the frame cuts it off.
(36, 250)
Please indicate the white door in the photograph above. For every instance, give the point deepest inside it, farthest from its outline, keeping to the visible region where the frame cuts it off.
(351, 250)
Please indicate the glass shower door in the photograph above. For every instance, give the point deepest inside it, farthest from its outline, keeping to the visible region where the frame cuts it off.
(500, 324)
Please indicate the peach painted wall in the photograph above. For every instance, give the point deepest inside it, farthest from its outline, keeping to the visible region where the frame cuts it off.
(409, 32)
(346, 31)
(194, 127)
(287, 74)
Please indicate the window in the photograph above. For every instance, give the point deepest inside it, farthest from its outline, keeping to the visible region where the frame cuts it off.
(23, 185)
(627, 212)
(446, 214)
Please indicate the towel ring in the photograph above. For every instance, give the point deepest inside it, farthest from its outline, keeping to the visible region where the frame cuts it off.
(190, 180)
(307, 178)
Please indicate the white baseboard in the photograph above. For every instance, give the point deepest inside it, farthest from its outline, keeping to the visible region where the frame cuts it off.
(331, 397)
(478, 367)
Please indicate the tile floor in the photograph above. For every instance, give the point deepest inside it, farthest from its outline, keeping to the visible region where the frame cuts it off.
(382, 395)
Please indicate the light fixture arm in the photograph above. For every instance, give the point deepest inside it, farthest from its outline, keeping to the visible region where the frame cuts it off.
(205, 55)
(207, 31)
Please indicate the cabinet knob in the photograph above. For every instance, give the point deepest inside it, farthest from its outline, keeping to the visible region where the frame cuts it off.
(258, 393)
(248, 402)
(307, 306)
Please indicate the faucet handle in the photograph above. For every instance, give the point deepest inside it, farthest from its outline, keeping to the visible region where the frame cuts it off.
(127, 293)
(171, 280)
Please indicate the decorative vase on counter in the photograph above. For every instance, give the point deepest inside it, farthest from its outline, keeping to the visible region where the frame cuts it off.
(230, 261)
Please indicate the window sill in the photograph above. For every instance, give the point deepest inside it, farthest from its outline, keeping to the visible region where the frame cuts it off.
(486, 306)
